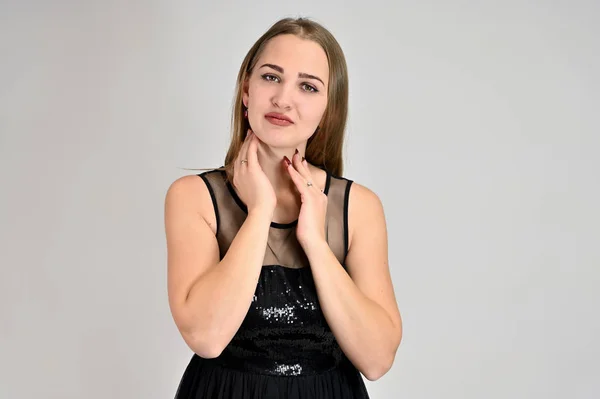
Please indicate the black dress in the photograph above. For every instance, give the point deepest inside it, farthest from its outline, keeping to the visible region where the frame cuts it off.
(284, 348)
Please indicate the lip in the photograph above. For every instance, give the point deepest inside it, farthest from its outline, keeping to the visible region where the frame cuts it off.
(280, 117)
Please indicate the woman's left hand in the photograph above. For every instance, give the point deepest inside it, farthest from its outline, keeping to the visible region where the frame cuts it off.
(311, 221)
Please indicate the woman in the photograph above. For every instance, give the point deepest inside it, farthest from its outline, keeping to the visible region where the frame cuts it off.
(278, 274)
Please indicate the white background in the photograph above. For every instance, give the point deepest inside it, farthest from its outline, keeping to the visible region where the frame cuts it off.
(475, 122)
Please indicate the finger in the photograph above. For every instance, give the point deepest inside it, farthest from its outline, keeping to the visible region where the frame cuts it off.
(301, 167)
(244, 143)
(252, 153)
(297, 178)
(243, 154)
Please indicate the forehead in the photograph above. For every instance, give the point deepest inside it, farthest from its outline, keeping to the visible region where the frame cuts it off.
(295, 55)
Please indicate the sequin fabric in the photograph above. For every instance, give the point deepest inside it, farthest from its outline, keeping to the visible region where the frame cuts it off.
(284, 347)
(284, 332)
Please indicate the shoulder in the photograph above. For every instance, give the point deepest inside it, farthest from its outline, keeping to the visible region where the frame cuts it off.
(193, 187)
(361, 194)
(190, 195)
(365, 210)
(357, 195)
(362, 200)
(188, 187)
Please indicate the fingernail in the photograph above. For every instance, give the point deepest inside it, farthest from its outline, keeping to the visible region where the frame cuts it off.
(296, 151)
(287, 160)
(303, 159)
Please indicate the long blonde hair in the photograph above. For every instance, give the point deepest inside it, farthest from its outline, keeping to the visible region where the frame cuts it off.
(324, 147)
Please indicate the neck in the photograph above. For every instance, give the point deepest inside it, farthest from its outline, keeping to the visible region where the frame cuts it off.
(273, 164)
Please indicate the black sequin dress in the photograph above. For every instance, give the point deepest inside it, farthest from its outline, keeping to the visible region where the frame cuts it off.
(284, 347)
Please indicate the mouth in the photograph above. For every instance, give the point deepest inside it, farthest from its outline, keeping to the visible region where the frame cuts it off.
(278, 119)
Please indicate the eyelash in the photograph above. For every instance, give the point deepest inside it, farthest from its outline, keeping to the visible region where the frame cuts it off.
(311, 89)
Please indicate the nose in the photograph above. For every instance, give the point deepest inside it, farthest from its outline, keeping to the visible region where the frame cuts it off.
(282, 98)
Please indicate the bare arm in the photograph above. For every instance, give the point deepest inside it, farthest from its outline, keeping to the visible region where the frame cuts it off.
(360, 305)
(209, 298)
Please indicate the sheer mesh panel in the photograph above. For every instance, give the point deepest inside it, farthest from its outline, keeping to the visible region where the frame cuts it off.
(283, 248)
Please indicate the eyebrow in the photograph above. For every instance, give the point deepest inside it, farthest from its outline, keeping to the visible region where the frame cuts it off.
(300, 74)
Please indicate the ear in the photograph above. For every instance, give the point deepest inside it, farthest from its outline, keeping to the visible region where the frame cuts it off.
(245, 94)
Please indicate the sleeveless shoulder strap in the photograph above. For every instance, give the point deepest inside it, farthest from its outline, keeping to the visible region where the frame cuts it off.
(228, 213)
(337, 216)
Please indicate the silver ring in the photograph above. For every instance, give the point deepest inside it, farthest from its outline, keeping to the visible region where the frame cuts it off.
(309, 184)
(244, 161)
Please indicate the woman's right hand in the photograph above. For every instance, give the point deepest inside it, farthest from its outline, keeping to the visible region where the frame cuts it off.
(252, 184)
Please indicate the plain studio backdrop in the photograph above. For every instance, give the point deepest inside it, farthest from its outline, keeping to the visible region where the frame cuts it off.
(475, 122)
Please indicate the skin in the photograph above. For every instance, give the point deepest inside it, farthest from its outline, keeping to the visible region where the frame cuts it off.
(359, 304)
(301, 99)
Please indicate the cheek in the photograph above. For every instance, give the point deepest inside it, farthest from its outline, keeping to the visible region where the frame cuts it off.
(260, 102)
(312, 111)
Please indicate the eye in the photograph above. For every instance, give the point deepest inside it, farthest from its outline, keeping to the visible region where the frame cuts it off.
(269, 78)
(309, 88)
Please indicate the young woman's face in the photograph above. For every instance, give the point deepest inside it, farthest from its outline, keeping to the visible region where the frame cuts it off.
(286, 94)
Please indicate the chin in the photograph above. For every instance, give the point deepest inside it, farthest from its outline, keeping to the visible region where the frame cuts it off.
(278, 138)
(277, 142)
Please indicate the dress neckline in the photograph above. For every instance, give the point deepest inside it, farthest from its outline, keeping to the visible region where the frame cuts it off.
(275, 225)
